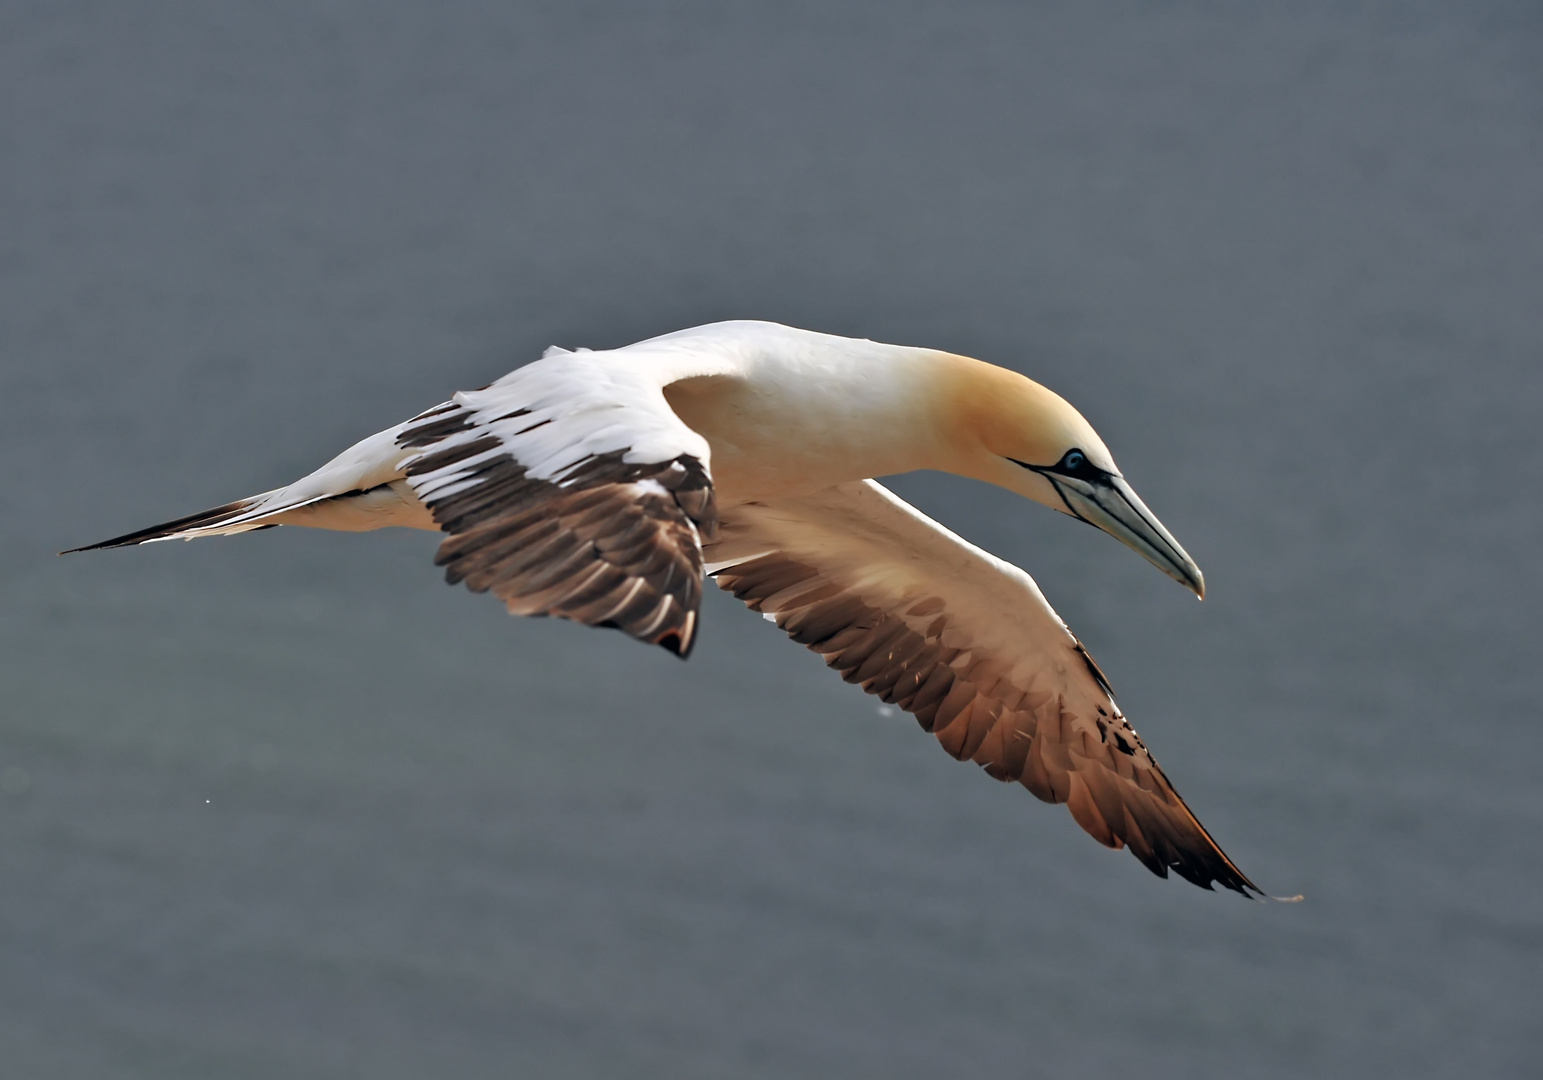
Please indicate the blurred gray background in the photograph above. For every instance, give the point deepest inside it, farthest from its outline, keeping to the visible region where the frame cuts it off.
(286, 806)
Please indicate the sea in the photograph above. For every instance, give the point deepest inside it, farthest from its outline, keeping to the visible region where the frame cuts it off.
(286, 805)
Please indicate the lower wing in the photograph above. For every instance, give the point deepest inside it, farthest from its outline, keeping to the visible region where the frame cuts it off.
(967, 644)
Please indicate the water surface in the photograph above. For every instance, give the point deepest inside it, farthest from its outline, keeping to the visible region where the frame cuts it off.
(285, 805)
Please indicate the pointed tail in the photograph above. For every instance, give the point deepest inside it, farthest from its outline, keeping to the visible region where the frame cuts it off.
(243, 515)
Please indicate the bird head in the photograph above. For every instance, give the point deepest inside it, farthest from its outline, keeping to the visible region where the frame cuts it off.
(1015, 433)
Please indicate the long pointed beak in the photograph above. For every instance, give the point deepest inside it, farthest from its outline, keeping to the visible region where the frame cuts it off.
(1109, 504)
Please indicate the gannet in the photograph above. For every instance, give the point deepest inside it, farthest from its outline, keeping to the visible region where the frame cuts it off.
(602, 486)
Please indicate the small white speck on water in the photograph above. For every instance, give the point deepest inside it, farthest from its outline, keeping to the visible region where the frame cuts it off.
(885, 710)
(206, 802)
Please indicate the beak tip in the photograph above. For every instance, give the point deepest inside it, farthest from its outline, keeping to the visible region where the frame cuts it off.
(1190, 577)
(1113, 507)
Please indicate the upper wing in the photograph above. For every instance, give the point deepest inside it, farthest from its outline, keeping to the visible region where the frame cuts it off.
(967, 643)
(570, 488)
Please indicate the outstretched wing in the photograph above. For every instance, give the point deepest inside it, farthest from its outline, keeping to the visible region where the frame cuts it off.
(570, 488)
(966, 643)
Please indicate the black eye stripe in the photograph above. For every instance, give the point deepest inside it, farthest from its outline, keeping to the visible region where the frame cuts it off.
(1073, 463)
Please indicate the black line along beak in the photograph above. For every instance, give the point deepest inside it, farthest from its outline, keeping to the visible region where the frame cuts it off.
(1105, 501)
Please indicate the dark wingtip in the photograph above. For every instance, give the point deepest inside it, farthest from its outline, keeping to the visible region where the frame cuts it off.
(1229, 877)
(1246, 889)
(1212, 869)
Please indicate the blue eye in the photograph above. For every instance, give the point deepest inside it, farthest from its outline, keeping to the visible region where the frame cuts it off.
(1074, 460)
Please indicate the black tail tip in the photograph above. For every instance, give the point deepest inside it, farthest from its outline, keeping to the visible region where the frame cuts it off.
(202, 520)
(99, 546)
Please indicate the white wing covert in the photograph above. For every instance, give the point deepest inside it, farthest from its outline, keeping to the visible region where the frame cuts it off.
(966, 643)
(569, 488)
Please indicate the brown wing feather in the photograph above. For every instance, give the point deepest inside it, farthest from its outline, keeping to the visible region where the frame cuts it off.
(609, 543)
(917, 654)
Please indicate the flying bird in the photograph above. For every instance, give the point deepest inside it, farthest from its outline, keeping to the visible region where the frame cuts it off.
(603, 486)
